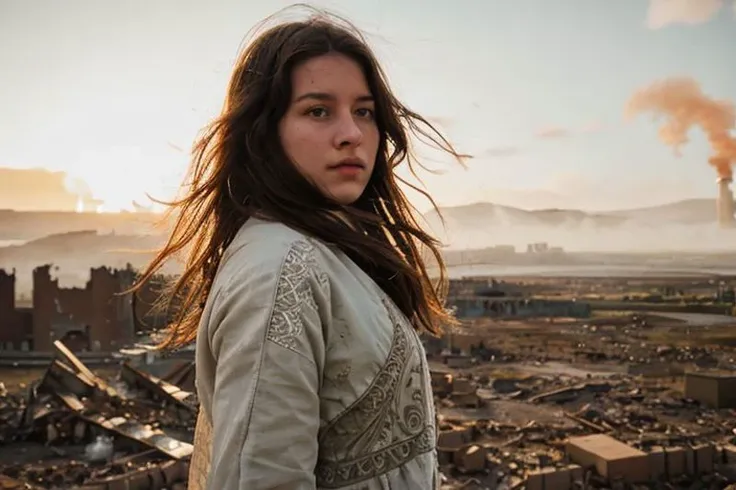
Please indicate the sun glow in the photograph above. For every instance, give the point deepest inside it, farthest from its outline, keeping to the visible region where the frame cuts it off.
(122, 179)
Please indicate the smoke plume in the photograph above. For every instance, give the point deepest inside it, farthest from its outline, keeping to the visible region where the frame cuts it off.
(684, 105)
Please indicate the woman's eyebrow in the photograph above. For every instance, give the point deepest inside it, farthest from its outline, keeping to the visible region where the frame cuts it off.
(326, 97)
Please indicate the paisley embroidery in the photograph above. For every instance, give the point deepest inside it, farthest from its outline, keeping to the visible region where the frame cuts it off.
(293, 293)
(390, 424)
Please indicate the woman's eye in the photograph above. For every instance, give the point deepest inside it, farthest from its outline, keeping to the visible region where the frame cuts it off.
(365, 112)
(318, 112)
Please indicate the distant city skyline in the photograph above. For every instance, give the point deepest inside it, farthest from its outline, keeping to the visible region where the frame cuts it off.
(113, 94)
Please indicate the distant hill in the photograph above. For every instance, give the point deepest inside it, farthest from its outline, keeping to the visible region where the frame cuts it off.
(78, 241)
(30, 225)
(88, 243)
(74, 253)
(487, 214)
(689, 211)
(683, 225)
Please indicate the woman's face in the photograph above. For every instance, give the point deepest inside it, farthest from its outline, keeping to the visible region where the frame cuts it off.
(329, 130)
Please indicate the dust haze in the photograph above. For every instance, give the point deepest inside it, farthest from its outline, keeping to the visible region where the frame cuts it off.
(641, 230)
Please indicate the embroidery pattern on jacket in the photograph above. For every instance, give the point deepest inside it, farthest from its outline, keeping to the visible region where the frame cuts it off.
(293, 293)
(388, 425)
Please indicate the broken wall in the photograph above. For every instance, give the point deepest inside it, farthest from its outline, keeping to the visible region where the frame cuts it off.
(11, 326)
(97, 313)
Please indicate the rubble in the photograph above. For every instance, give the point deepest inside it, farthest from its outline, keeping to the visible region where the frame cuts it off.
(599, 432)
(601, 403)
(76, 430)
(11, 410)
(540, 423)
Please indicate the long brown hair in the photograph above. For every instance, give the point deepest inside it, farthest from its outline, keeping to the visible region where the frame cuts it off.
(239, 168)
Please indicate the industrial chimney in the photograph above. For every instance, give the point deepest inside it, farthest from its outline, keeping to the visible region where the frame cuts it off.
(725, 203)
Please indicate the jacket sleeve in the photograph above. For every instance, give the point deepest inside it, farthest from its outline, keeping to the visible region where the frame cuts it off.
(267, 339)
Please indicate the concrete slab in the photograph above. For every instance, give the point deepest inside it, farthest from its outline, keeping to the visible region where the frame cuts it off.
(611, 458)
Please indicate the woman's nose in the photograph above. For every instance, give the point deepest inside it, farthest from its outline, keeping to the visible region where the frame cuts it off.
(348, 132)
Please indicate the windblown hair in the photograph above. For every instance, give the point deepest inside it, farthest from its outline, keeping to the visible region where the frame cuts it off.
(239, 168)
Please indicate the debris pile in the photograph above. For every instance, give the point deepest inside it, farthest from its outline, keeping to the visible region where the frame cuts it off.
(76, 430)
(556, 432)
(11, 410)
(512, 417)
(629, 343)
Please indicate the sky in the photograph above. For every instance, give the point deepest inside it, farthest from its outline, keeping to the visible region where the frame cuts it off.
(114, 93)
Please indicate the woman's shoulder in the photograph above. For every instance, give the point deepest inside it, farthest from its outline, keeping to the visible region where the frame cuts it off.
(265, 248)
(265, 238)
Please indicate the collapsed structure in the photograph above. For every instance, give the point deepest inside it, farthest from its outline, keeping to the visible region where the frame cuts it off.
(571, 435)
(75, 430)
(99, 318)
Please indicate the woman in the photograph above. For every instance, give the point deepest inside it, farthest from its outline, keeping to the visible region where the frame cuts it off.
(304, 284)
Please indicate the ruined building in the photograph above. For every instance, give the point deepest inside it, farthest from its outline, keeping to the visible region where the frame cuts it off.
(94, 318)
(16, 324)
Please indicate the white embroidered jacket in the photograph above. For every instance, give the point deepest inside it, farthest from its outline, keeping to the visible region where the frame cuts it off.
(309, 376)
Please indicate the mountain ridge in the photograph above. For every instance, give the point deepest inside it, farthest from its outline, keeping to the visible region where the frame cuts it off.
(31, 225)
(685, 211)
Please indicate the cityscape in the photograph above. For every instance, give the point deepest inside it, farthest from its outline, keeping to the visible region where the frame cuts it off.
(591, 261)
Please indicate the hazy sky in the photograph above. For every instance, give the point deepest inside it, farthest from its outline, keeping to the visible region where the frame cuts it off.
(108, 90)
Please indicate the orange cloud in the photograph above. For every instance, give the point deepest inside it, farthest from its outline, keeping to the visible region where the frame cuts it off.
(691, 12)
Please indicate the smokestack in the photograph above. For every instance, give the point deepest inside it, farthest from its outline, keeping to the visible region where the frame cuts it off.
(725, 203)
